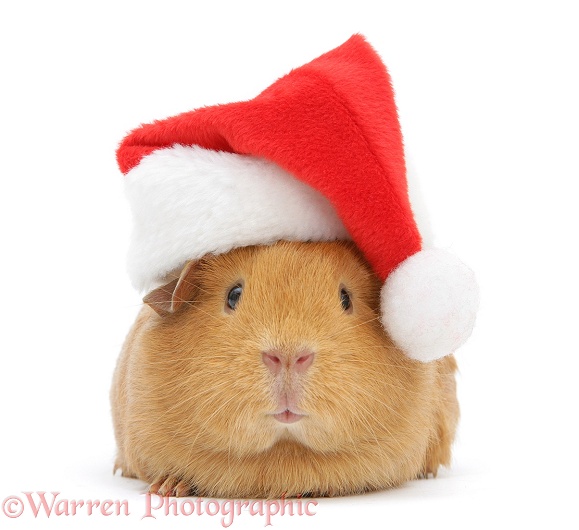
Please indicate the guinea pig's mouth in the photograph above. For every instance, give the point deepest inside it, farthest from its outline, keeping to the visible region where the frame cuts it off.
(287, 416)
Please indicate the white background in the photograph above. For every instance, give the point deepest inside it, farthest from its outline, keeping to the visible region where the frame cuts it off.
(487, 93)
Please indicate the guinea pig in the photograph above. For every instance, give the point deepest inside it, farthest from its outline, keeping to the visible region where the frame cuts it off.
(265, 372)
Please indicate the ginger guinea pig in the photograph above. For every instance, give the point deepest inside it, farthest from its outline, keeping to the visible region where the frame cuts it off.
(265, 372)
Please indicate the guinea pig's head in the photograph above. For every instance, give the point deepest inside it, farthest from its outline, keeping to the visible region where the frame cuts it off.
(280, 342)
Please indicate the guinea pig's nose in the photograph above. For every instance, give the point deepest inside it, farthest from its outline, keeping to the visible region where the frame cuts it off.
(276, 361)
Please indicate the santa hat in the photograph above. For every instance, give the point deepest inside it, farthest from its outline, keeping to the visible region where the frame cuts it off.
(317, 156)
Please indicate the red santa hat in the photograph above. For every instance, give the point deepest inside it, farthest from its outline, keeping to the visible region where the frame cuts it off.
(317, 156)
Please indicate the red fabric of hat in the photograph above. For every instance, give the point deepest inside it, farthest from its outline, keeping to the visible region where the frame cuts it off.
(331, 123)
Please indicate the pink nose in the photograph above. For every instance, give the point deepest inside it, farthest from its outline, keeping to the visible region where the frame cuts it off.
(276, 361)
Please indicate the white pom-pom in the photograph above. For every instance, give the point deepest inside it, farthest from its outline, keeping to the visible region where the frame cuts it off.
(429, 304)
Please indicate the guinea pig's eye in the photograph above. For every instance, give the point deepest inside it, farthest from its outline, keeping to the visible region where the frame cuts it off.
(233, 297)
(345, 300)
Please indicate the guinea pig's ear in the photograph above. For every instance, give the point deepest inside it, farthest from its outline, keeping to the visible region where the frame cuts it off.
(170, 297)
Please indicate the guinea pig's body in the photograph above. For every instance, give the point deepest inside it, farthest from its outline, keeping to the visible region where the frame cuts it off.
(265, 372)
